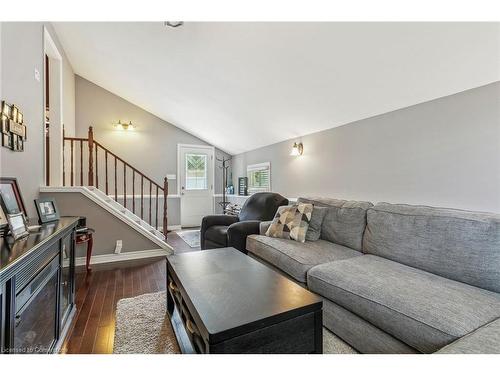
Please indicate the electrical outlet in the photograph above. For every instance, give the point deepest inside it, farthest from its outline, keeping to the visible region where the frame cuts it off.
(118, 247)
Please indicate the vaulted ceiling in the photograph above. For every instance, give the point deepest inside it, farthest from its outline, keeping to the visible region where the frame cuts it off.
(240, 86)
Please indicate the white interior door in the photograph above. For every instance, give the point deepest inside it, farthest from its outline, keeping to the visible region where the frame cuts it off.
(196, 174)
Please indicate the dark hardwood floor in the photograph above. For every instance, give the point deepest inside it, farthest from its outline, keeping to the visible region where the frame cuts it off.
(98, 292)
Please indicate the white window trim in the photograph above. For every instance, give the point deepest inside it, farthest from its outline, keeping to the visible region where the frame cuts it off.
(259, 166)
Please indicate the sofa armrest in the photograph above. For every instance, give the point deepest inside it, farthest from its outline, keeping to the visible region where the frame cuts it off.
(484, 340)
(237, 233)
(211, 220)
(264, 226)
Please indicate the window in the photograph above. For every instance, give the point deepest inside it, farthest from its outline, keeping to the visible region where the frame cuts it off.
(259, 177)
(196, 172)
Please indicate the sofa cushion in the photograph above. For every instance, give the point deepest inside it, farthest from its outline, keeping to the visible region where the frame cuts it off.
(485, 340)
(314, 230)
(295, 258)
(423, 310)
(459, 245)
(344, 222)
(217, 234)
(291, 222)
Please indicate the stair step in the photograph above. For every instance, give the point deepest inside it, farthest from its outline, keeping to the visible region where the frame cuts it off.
(127, 213)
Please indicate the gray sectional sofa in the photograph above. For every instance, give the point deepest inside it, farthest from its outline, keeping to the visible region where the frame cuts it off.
(399, 278)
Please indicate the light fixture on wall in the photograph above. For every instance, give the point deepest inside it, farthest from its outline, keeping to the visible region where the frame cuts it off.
(173, 24)
(124, 126)
(297, 149)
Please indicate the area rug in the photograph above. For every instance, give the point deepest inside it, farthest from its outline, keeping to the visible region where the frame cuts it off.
(143, 328)
(191, 237)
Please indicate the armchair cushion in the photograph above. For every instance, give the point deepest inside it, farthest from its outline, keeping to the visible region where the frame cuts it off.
(261, 206)
(238, 232)
(217, 234)
(214, 235)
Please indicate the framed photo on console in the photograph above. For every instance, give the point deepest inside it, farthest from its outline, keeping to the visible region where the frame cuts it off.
(11, 199)
(17, 225)
(4, 223)
(47, 210)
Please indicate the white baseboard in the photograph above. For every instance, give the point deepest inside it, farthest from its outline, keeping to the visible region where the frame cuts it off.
(174, 227)
(129, 255)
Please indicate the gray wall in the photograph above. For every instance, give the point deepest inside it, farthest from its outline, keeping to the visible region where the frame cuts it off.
(445, 152)
(151, 147)
(108, 228)
(22, 52)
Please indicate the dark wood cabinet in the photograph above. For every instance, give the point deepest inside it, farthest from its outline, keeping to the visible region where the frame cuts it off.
(37, 276)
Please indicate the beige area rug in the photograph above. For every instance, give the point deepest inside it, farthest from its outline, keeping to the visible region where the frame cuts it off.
(191, 237)
(143, 328)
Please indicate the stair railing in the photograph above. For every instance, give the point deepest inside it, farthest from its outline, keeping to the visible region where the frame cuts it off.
(94, 150)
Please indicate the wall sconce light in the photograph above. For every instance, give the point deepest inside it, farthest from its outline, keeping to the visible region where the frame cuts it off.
(297, 149)
(124, 126)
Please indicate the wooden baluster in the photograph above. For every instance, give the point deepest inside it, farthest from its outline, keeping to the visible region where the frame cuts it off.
(106, 168)
(156, 219)
(81, 162)
(133, 191)
(124, 185)
(91, 159)
(165, 195)
(116, 183)
(64, 159)
(72, 175)
(96, 168)
(142, 197)
(150, 206)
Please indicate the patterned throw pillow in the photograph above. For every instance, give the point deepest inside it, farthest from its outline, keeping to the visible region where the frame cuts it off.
(291, 222)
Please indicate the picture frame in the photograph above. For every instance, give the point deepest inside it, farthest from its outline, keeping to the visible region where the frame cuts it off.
(6, 109)
(14, 113)
(47, 210)
(17, 225)
(7, 140)
(11, 198)
(15, 138)
(5, 124)
(4, 223)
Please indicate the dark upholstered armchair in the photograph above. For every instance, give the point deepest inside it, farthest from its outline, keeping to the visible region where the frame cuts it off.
(226, 231)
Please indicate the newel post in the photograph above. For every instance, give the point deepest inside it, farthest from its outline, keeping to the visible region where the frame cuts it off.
(63, 155)
(91, 159)
(165, 195)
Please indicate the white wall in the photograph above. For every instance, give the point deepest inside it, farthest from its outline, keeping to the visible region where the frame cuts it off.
(151, 147)
(445, 152)
(21, 53)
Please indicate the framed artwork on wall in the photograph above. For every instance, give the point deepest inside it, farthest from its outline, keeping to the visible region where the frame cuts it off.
(13, 129)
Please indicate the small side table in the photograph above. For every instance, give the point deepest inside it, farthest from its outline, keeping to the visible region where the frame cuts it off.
(85, 235)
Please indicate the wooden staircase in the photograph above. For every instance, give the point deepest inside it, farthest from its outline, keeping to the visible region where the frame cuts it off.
(87, 163)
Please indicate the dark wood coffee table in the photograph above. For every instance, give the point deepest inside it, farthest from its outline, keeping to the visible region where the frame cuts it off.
(222, 301)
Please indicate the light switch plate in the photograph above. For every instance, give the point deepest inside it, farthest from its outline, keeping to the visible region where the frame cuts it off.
(37, 74)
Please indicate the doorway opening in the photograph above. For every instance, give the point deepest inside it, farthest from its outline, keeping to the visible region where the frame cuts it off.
(53, 112)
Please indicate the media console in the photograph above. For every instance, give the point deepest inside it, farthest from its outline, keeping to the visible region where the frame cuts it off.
(37, 288)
